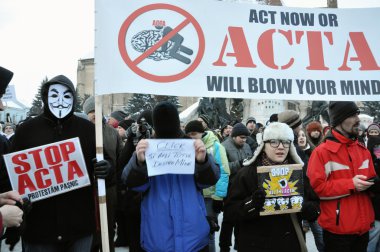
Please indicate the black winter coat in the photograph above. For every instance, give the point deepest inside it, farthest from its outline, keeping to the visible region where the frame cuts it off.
(270, 233)
(71, 215)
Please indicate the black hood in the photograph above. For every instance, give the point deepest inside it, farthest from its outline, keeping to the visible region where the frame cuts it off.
(5, 78)
(63, 80)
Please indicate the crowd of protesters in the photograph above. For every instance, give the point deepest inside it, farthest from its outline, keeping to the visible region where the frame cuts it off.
(179, 212)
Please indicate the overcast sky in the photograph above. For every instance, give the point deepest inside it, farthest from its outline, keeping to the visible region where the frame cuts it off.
(41, 38)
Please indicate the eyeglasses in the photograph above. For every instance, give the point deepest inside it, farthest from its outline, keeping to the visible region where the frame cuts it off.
(275, 143)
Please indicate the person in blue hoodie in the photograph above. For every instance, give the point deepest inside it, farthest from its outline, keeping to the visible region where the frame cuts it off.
(173, 213)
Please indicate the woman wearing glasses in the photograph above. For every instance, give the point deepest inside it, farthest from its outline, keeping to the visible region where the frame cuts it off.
(272, 232)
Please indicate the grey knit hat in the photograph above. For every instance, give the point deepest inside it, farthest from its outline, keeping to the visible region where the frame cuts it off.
(89, 105)
(119, 115)
(250, 119)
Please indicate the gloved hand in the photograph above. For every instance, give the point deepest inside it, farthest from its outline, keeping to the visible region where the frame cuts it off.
(258, 198)
(12, 237)
(213, 222)
(217, 206)
(241, 162)
(102, 169)
(255, 202)
(310, 210)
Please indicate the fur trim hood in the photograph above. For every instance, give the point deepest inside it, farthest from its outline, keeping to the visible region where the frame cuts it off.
(280, 131)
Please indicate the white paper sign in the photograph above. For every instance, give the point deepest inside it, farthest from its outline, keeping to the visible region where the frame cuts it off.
(48, 170)
(170, 156)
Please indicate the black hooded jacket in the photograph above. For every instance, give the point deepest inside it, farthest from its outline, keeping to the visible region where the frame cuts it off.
(374, 142)
(70, 215)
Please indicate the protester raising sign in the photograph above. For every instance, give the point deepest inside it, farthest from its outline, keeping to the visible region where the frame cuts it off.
(48, 170)
(283, 187)
(170, 156)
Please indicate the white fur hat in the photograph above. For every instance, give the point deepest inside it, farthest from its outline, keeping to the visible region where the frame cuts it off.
(280, 131)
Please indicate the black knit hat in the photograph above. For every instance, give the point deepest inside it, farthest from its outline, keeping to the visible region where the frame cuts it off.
(166, 121)
(290, 117)
(194, 126)
(125, 124)
(273, 118)
(239, 129)
(119, 115)
(341, 110)
(206, 119)
(5, 78)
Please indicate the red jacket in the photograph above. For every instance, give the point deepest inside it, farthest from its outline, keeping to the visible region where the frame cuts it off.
(332, 166)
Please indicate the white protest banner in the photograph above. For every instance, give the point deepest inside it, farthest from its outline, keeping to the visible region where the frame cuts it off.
(170, 156)
(283, 186)
(236, 50)
(47, 170)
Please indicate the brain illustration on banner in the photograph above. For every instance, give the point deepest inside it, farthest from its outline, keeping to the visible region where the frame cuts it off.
(169, 50)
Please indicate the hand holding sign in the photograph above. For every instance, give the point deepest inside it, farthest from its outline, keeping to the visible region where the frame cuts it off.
(9, 198)
(102, 169)
(140, 150)
(200, 151)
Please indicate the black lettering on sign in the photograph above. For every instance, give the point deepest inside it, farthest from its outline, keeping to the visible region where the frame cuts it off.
(262, 16)
(280, 86)
(296, 19)
(360, 87)
(228, 84)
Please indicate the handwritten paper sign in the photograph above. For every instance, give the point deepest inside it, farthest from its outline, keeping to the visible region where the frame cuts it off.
(48, 170)
(283, 185)
(170, 156)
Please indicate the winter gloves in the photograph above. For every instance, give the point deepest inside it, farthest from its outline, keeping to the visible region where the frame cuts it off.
(102, 169)
(255, 202)
(310, 210)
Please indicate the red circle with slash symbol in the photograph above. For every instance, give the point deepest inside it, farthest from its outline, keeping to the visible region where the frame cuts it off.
(133, 63)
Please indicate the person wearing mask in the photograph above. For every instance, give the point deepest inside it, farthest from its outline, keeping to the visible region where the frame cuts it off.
(338, 170)
(269, 233)
(213, 195)
(173, 214)
(65, 222)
